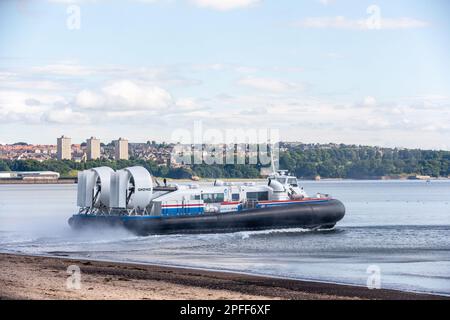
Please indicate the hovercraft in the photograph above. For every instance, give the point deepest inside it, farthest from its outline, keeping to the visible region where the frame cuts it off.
(130, 198)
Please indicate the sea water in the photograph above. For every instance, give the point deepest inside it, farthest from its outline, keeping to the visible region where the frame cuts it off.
(400, 229)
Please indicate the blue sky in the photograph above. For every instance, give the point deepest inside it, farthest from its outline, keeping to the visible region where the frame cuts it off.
(316, 70)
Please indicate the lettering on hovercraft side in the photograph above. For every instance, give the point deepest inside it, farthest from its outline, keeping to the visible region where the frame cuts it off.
(144, 189)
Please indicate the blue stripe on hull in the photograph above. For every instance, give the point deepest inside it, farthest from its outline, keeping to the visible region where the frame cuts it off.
(177, 211)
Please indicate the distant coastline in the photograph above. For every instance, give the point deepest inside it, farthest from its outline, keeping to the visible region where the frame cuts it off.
(306, 161)
(74, 180)
(39, 181)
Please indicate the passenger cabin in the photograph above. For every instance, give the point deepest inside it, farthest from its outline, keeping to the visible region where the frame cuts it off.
(130, 191)
(225, 197)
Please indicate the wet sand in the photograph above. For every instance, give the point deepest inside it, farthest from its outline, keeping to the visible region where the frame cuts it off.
(32, 277)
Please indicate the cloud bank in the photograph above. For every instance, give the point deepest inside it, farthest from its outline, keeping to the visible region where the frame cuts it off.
(340, 22)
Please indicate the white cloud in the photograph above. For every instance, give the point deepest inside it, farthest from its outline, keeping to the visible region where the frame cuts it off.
(245, 70)
(187, 104)
(292, 69)
(403, 23)
(326, 2)
(369, 101)
(72, 1)
(63, 69)
(341, 22)
(123, 114)
(225, 5)
(124, 95)
(221, 5)
(35, 108)
(268, 84)
(33, 85)
(88, 99)
(65, 116)
(32, 96)
(5, 75)
(24, 107)
(148, 1)
(384, 123)
(222, 67)
(158, 75)
(64, 1)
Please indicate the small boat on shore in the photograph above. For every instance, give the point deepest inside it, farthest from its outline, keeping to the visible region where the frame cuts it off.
(133, 199)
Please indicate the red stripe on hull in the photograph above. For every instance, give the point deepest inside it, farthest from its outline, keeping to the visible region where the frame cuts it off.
(181, 205)
(295, 200)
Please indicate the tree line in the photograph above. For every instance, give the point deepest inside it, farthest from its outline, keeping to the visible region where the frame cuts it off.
(359, 162)
(305, 161)
(68, 168)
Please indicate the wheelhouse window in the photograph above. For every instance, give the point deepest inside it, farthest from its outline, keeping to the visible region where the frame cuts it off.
(235, 197)
(259, 196)
(293, 182)
(281, 180)
(213, 197)
(195, 197)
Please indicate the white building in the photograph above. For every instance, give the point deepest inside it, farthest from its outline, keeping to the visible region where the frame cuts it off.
(64, 148)
(29, 175)
(93, 148)
(121, 149)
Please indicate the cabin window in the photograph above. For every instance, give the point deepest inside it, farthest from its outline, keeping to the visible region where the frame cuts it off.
(195, 197)
(281, 180)
(235, 197)
(213, 197)
(293, 182)
(259, 196)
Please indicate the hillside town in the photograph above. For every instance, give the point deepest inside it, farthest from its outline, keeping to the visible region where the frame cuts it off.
(91, 149)
(120, 149)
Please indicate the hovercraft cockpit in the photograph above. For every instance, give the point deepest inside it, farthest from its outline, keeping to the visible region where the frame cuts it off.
(290, 183)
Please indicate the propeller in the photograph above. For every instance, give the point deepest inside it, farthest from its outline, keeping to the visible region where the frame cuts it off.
(130, 190)
(97, 190)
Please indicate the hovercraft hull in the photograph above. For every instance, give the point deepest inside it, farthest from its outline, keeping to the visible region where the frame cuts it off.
(310, 215)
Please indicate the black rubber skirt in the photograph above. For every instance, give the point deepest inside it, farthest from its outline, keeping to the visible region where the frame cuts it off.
(312, 215)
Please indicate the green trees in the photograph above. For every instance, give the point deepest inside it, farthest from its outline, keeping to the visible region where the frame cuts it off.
(26, 165)
(226, 171)
(358, 162)
(307, 161)
(4, 166)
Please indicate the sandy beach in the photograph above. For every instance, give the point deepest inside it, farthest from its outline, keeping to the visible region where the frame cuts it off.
(32, 277)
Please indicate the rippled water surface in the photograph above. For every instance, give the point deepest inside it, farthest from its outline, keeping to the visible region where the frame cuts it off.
(402, 227)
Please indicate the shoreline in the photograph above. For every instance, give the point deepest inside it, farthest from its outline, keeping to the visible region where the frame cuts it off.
(43, 277)
(36, 181)
(208, 180)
